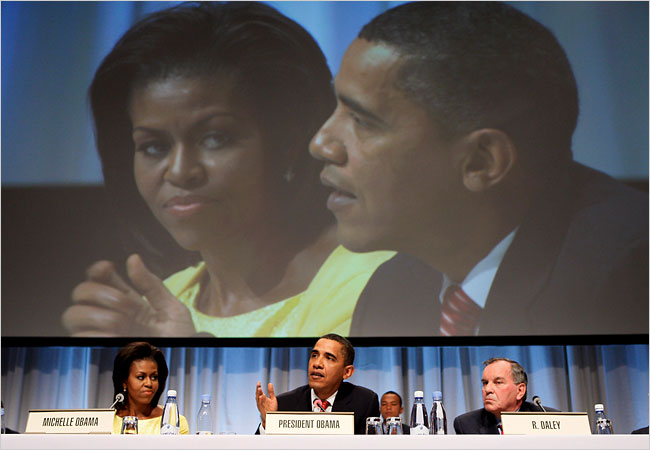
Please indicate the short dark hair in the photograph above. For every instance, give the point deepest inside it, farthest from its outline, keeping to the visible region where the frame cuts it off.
(476, 65)
(275, 65)
(518, 373)
(394, 393)
(347, 348)
(122, 365)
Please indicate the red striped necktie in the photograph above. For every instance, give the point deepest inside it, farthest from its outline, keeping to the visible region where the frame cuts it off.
(321, 404)
(460, 314)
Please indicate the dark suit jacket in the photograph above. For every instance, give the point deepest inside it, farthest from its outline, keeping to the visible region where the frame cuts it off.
(578, 265)
(349, 398)
(480, 421)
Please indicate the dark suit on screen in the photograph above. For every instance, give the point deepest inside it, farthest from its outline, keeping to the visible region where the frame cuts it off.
(578, 265)
(350, 398)
(480, 421)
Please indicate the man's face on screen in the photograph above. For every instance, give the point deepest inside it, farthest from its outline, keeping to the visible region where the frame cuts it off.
(327, 367)
(500, 392)
(393, 177)
(199, 160)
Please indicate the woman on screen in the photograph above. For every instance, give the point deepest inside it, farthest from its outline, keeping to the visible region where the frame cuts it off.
(140, 373)
(203, 114)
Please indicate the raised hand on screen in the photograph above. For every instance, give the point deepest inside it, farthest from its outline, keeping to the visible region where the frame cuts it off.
(107, 305)
(265, 403)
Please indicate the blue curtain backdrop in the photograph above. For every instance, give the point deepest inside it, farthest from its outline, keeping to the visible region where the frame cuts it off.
(50, 51)
(571, 378)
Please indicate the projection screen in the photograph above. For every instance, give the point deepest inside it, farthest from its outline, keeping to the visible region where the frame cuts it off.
(57, 218)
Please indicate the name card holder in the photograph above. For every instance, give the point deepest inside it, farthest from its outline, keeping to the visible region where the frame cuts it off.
(302, 423)
(70, 421)
(548, 423)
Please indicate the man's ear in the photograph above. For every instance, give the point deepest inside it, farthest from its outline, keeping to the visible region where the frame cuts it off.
(348, 371)
(521, 391)
(488, 157)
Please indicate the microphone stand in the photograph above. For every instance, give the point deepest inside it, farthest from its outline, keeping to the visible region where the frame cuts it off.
(119, 398)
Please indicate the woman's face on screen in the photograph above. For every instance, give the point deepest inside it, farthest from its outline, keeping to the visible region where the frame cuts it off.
(200, 161)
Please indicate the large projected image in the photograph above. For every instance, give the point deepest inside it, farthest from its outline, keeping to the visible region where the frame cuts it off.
(258, 180)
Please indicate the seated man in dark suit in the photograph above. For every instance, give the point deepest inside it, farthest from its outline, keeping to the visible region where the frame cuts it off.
(331, 361)
(505, 386)
(391, 405)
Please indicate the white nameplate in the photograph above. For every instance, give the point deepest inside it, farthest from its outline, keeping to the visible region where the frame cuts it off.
(70, 421)
(545, 423)
(279, 422)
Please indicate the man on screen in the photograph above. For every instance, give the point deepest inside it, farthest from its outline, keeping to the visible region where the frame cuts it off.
(451, 142)
(330, 362)
(505, 385)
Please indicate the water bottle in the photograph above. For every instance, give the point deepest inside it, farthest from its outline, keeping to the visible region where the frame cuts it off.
(603, 424)
(170, 423)
(419, 419)
(3, 430)
(204, 417)
(438, 415)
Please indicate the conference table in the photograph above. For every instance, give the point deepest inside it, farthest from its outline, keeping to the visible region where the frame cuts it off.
(251, 442)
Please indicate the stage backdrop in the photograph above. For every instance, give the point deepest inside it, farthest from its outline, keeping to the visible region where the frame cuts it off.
(55, 217)
(570, 378)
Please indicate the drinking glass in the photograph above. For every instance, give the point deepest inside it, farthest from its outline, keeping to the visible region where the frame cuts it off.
(130, 425)
(394, 425)
(373, 425)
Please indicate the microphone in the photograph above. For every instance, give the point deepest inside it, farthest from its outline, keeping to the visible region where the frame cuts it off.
(319, 403)
(538, 401)
(119, 398)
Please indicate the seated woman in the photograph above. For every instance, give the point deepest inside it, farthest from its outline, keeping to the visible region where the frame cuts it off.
(140, 373)
(203, 115)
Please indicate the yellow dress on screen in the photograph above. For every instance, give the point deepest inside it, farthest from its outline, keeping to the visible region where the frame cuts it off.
(149, 426)
(326, 306)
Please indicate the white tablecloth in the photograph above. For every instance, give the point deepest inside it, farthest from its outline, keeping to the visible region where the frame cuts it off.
(249, 442)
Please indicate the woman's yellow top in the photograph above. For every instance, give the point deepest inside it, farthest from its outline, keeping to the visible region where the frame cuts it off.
(326, 306)
(149, 426)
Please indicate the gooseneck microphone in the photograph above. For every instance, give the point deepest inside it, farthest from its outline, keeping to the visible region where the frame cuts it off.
(319, 403)
(119, 398)
(538, 401)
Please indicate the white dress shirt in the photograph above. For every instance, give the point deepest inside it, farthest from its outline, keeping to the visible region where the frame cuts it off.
(330, 399)
(479, 280)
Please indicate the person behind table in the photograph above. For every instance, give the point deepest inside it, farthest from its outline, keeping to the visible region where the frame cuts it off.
(203, 114)
(505, 388)
(140, 373)
(390, 405)
(331, 361)
(451, 143)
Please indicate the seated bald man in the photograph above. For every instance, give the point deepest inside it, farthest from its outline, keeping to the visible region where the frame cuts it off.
(330, 362)
(505, 386)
